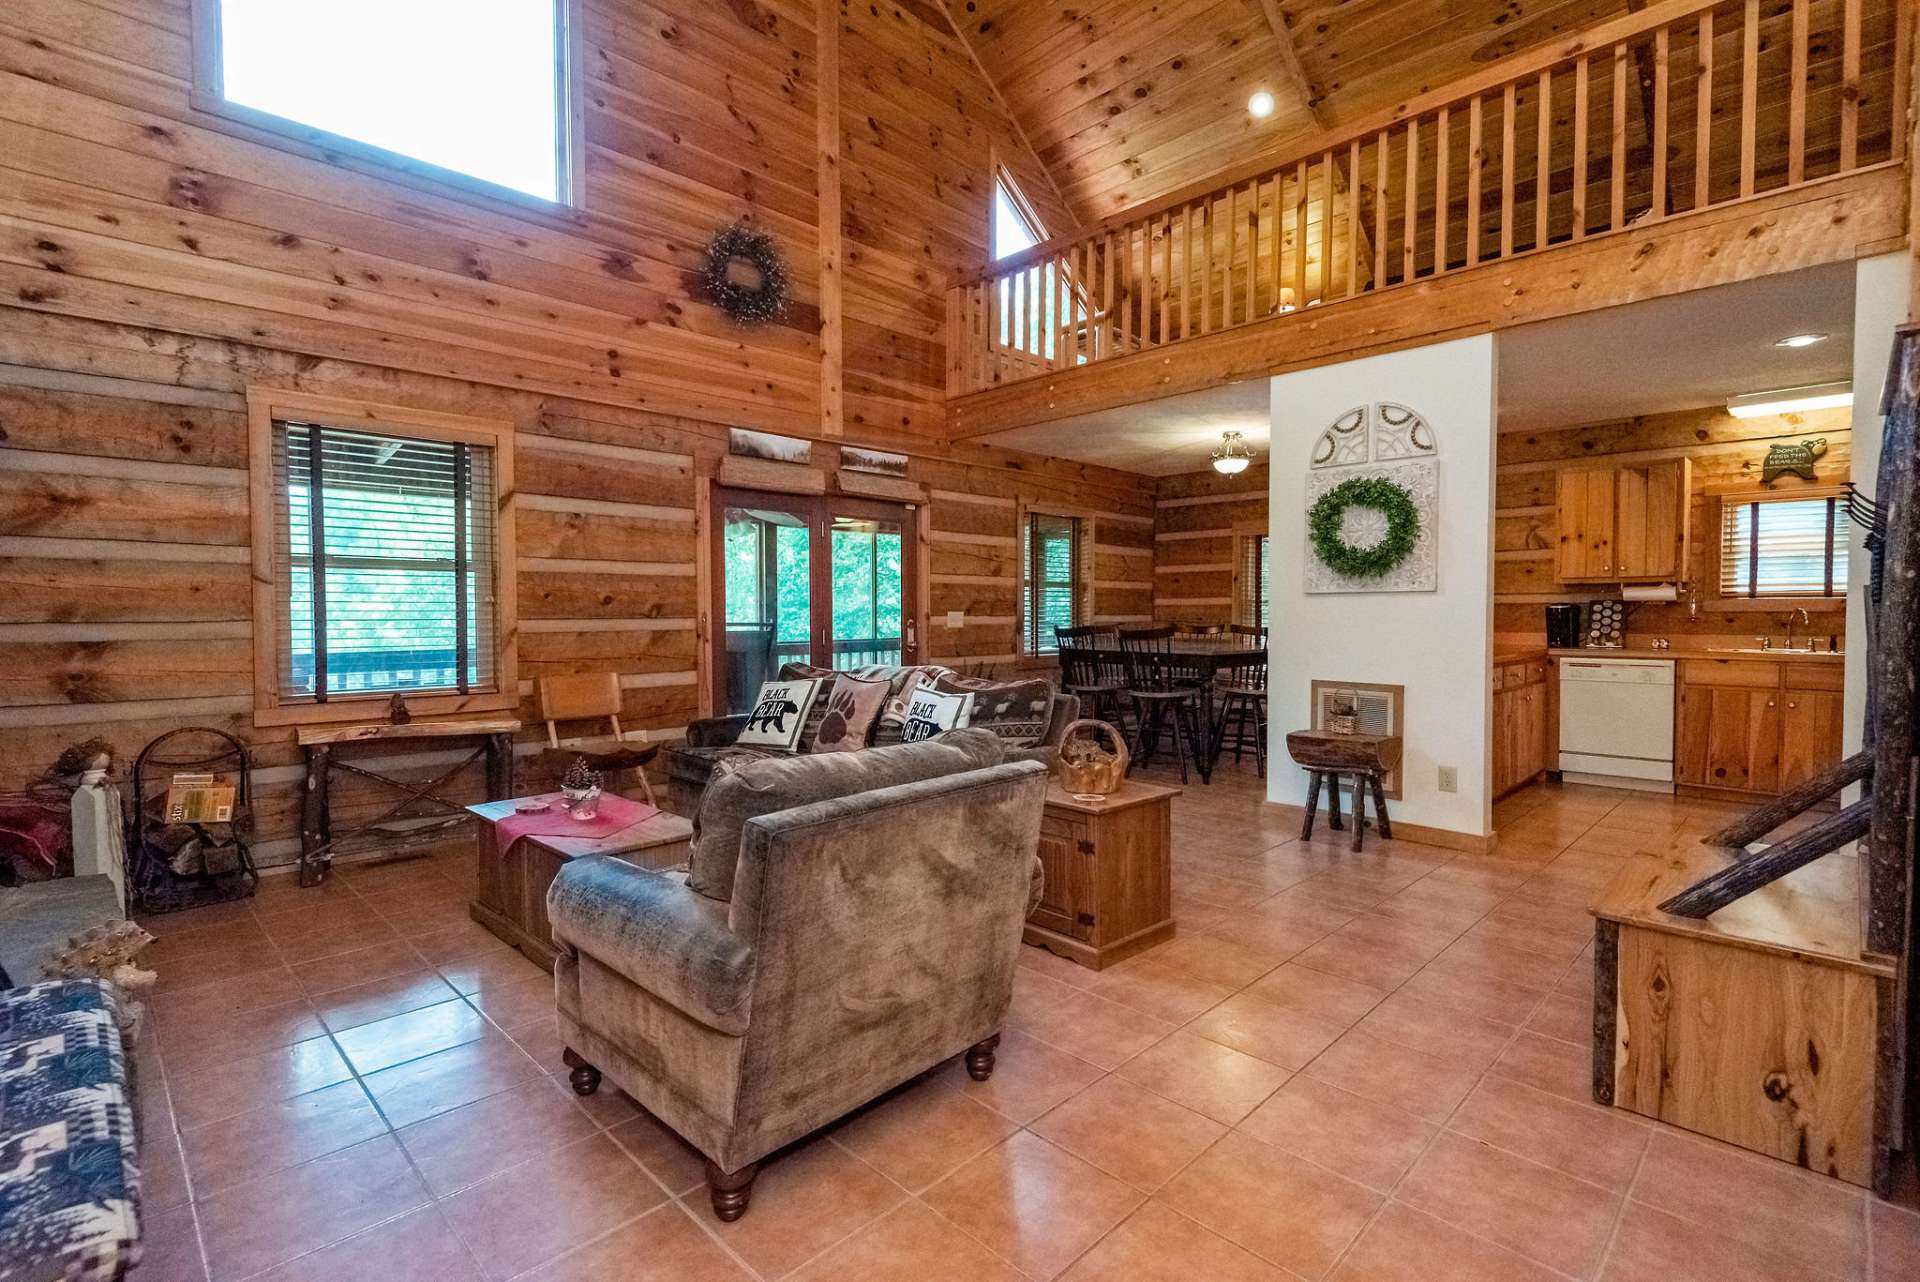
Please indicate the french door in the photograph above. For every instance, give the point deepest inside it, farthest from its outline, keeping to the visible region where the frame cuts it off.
(797, 578)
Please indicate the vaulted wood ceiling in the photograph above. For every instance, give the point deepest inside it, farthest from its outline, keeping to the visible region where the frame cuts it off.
(1126, 100)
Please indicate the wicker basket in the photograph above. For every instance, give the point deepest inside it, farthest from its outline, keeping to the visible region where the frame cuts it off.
(1343, 714)
(1085, 768)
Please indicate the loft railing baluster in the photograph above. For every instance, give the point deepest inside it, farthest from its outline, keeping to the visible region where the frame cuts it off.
(1300, 215)
(1509, 105)
(1580, 130)
(1442, 212)
(1543, 162)
(1657, 131)
(1850, 84)
(1617, 185)
(1380, 211)
(1703, 116)
(1749, 92)
(1476, 154)
(1797, 98)
(1353, 218)
(1410, 203)
(1186, 271)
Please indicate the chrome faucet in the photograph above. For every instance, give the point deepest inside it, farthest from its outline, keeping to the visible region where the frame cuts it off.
(1801, 612)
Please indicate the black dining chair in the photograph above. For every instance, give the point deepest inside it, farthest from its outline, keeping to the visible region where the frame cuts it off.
(1163, 685)
(1089, 668)
(1243, 703)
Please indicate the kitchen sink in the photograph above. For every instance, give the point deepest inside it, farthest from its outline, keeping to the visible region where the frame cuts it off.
(1771, 653)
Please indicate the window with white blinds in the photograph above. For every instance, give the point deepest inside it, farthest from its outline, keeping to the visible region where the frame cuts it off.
(1051, 592)
(386, 550)
(1783, 547)
(1255, 589)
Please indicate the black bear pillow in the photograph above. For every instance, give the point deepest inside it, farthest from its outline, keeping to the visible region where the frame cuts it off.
(779, 714)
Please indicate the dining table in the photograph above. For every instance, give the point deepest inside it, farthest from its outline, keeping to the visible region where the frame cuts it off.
(1210, 656)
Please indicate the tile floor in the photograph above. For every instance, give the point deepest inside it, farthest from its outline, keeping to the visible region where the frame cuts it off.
(1351, 1067)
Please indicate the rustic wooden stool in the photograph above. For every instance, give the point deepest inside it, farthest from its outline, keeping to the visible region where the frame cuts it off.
(1326, 756)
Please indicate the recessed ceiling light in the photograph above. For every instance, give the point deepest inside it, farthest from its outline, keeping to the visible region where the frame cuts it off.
(1792, 400)
(1261, 104)
(1800, 340)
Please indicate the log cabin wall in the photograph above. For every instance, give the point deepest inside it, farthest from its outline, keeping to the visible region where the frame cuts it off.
(1726, 454)
(1199, 518)
(125, 593)
(156, 261)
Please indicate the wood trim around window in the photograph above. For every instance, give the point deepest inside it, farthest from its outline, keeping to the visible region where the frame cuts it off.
(265, 405)
(1243, 531)
(1084, 602)
(208, 97)
(1740, 602)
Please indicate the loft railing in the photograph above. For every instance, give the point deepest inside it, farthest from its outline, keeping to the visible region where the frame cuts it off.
(1684, 106)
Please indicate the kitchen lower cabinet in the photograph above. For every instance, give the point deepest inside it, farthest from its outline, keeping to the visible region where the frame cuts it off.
(1755, 725)
(1520, 732)
(1809, 734)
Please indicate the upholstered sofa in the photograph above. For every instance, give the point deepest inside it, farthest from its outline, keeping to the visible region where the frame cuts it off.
(847, 921)
(689, 764)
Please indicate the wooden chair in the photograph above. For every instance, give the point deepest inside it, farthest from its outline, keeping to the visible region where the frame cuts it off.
(1243, 709)
(1161, 686)
(589, 696)
(1096, 676)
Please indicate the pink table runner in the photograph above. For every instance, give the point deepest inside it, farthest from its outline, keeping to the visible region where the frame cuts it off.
(616, 815)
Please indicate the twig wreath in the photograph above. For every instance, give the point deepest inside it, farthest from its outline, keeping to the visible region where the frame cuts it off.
(1325, 519)
(739, 252)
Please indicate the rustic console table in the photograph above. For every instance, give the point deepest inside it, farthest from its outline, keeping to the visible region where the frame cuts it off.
(317, 744)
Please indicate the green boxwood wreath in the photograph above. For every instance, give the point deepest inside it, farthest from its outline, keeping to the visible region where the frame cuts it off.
(1324, 521)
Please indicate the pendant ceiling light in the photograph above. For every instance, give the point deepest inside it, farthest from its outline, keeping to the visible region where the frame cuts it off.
(1233, 456)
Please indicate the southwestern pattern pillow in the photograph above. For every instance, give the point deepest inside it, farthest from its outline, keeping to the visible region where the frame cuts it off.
(1016, 711)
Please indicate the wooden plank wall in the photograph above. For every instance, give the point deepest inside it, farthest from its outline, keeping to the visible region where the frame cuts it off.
(1195, 516)
(125, 597)
(922, 130)
(155, 260)
(1726, 453)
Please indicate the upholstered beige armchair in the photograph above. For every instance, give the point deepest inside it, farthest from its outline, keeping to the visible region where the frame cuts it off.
(871, 933)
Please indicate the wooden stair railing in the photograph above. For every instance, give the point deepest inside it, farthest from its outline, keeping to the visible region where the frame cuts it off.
(1682, 106)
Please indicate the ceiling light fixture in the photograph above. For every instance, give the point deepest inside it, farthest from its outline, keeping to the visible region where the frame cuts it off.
(1261, 104)
(1233, 456)
(1792, 400)
(1800, 340)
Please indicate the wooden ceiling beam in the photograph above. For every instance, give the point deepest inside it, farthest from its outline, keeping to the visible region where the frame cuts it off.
(1292, 75)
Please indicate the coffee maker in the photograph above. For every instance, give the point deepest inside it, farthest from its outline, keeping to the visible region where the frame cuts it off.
(1563, 626)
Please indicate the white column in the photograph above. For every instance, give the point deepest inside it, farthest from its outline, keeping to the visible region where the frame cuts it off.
(1438, 644)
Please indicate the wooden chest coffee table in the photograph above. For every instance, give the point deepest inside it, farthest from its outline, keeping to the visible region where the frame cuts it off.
(1109, 874)
(511, 899)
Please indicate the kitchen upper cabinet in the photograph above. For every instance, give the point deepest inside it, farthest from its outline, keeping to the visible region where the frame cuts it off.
(1623, 524)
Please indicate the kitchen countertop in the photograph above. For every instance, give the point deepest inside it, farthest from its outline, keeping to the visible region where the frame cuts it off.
(1639, 652)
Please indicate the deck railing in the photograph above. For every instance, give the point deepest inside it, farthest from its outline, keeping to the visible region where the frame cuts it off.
(1683, 106)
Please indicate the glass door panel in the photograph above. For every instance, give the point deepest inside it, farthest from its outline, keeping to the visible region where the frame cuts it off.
(767, 578)
(827, 581)
(869, 591)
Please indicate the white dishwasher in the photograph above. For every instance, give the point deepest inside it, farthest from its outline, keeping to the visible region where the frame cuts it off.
(1616, 722)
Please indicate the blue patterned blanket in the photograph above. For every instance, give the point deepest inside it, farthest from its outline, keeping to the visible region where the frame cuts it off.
(69, 1179)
